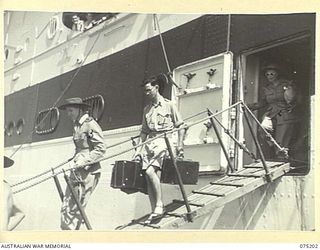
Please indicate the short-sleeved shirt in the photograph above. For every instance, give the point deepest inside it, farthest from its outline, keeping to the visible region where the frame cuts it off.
(160, 117)
(88, 139)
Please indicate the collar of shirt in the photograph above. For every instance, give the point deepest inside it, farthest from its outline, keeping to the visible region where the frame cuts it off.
(82, 119)
(159, 103)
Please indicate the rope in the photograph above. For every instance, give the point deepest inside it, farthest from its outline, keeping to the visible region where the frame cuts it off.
(64, 91)
(164, 52)
(263, 129)
(43, 173)
(241, 145)
(162, 43)
(124, 151)
(111, 146)
(192, 116)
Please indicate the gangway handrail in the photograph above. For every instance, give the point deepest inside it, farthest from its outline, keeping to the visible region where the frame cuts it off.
(185, 126)
(108, 147)
(269, 136)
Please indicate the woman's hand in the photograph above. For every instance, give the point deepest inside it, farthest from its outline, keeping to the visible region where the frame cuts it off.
(137, 157)
(180, 153)
(267, 123)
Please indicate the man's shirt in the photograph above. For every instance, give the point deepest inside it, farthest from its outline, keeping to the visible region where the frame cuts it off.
(88, 139)
(160, 117)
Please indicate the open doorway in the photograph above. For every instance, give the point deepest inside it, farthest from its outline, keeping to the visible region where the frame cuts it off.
(295, 60)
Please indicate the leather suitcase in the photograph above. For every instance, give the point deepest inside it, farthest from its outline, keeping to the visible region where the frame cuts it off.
(189, 171)
(128, 176)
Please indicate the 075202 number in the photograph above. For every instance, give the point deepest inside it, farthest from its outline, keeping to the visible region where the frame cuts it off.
(309, 246)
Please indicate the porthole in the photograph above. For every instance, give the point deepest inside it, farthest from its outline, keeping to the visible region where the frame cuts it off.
(20, 126)
(96, 106)
(6, 54)
(10, 128)
(53, 27)
(47, 120)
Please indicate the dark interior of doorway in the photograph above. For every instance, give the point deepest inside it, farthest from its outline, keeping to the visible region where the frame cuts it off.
(296, 61)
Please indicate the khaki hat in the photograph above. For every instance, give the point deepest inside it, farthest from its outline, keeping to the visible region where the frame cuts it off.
(7, 162)
(76, 101)
(273, 66)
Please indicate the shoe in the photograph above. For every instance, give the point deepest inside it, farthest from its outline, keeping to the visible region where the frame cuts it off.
(156, 215)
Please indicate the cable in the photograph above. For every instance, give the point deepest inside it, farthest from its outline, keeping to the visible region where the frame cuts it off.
(263, 129)
(241, 145)
(162, 43)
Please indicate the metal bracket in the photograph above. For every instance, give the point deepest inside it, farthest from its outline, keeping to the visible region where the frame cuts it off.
(189, 76)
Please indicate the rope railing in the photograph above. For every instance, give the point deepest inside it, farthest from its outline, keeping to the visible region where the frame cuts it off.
(269, 136)
(119, 153)
(41, 174)
(240, 144)
(108, 147)
(184, 126)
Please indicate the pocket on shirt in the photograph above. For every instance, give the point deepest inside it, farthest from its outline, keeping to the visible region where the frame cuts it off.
(80, 140)
(163, 120)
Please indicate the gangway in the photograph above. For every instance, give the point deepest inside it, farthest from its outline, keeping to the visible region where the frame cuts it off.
(212, 196)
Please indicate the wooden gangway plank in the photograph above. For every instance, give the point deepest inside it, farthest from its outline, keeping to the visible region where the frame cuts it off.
(212, 196)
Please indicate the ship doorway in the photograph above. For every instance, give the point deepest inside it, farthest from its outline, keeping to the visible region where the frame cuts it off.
(295, 59)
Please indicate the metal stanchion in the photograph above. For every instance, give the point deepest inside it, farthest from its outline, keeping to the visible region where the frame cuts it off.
(190, 215)
(255, 139)
(220, 141)
(56, 181)
(74, 196)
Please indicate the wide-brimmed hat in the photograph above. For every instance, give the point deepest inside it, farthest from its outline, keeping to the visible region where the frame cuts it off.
(7, 162)
(75, 101)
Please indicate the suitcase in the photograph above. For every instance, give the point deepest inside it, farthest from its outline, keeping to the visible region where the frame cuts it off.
(188, 169)
(128, 176)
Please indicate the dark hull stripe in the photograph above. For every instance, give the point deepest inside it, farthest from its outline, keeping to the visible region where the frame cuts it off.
(118, 77)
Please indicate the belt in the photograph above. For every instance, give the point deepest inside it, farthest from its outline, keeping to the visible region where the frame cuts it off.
(82, 150)
(156, 133)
